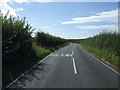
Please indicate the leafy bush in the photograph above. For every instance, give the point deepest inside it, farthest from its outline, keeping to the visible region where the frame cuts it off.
(16, 36)
(48, 40)
(16, 45)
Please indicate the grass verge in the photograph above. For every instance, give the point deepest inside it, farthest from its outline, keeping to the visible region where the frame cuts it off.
(106, 56)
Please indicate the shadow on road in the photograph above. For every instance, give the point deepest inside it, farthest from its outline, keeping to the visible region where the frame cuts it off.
(40, 69)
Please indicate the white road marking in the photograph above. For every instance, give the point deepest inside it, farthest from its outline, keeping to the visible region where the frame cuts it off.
(108, 66)
(104, 63)
(74, 66)
(35, 66)
(62, 54)
(67, 55)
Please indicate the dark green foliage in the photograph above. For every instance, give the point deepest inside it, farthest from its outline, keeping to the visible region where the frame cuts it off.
(15, 36)
(16, 45)
(73, 40)
(47, 40)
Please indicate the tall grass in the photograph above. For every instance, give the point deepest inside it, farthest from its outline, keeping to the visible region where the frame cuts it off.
(40, 51)
(105, 46)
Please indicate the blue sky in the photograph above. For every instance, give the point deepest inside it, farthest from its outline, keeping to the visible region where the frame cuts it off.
(71, 20)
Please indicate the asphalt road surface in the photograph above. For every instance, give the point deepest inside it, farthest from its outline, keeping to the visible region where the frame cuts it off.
(68, 67)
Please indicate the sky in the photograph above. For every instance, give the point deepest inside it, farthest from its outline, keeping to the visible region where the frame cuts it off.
(69, 20)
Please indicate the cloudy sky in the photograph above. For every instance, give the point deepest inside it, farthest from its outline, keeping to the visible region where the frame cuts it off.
(73, 19)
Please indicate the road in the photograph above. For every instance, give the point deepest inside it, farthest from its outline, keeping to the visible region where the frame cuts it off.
(68, 67)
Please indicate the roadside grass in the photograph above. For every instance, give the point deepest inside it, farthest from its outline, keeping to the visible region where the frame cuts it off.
(40, 51)
(105, 46)
(107, 56)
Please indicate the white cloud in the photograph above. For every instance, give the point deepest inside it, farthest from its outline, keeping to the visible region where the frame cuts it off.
(28, 1)
(20, 9)
(108, 16)
(103, 27)
(46, 27)
(21, 1)
(5, 7)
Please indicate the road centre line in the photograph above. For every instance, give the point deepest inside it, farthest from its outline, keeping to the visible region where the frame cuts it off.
(74, 66)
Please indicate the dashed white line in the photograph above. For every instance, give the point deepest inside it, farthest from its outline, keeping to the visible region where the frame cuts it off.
(74, 66)
(56, 54)
(67, 55)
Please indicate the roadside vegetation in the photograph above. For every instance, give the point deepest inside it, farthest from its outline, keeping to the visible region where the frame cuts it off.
(105, 46)
(20, 51)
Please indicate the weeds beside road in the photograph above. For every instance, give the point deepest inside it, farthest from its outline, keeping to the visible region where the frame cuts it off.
(105, 46)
